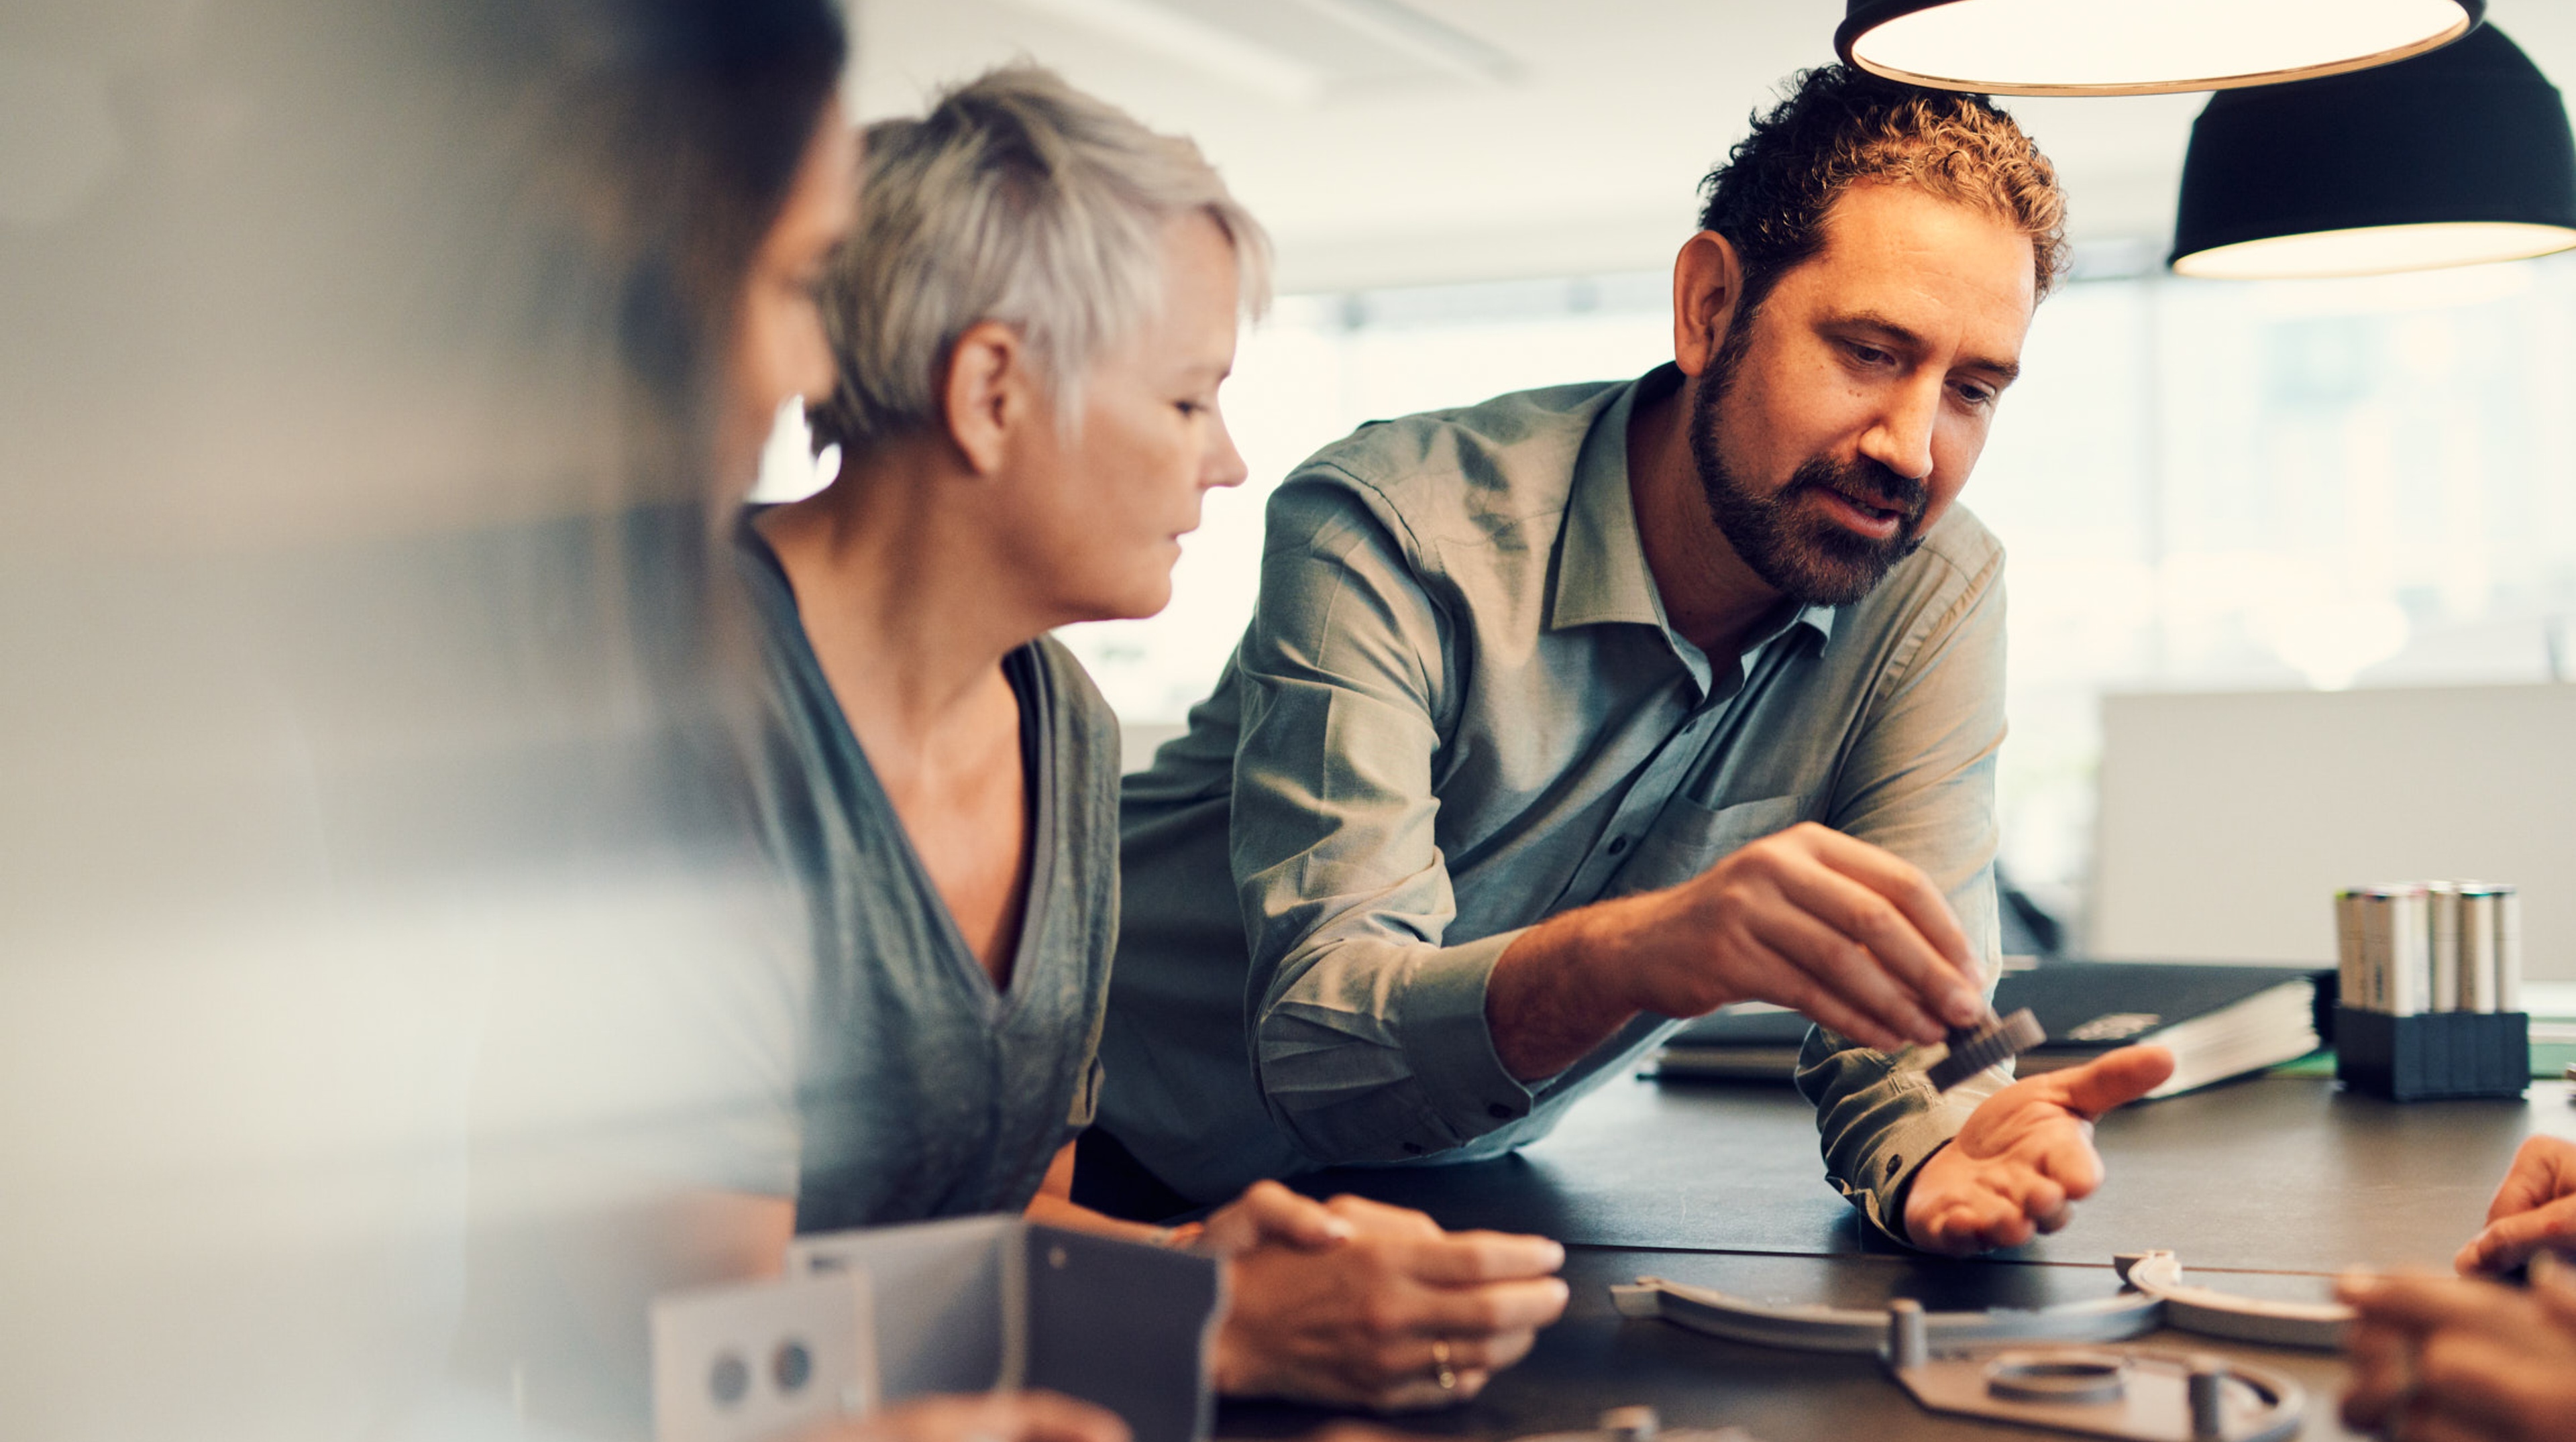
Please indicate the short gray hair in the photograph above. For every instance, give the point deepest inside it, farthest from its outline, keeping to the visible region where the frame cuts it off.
(1017, 199)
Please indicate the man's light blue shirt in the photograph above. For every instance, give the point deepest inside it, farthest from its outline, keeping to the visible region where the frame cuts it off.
(1459, 710)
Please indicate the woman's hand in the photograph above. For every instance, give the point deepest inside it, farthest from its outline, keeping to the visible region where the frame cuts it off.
(1353, 1303)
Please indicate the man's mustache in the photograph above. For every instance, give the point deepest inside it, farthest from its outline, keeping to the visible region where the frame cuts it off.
(1866, 481)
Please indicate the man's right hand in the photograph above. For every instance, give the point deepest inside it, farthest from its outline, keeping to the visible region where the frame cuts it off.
(1830, 926)
(1848, 934)
(1376, 1315)
(985, 1417)
(2535, 1209)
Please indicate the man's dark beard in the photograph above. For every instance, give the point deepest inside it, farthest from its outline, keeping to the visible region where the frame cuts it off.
(1813, 561)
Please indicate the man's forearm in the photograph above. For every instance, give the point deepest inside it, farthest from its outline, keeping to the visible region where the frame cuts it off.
(1555, 993)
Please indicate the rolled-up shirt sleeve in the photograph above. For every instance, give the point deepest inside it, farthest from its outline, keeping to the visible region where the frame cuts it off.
(1368, 1026)
(1920, 782)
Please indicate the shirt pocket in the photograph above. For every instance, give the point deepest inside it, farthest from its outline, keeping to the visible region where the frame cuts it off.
(1689, 838)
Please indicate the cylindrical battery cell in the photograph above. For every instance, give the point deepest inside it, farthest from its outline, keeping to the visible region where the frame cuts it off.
(2481, 909)
(2396, 942)
(2350, 979)
(2508, 949)
(2442, 915)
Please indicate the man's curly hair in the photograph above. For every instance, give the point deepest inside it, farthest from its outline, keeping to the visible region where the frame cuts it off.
(1841, 127)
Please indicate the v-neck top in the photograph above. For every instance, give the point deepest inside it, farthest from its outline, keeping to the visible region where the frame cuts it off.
(925, 1090)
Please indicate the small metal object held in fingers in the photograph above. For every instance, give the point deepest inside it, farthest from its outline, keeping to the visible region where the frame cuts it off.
(1441, 1371)
(1975, 1048)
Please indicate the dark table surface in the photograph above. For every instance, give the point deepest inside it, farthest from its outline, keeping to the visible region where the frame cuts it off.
(2267, 1187)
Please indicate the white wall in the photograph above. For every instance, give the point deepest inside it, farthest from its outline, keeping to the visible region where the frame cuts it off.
(1576, 156)
(2227, 821)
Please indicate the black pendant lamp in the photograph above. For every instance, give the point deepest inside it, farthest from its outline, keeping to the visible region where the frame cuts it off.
(2459, 156)
(2138, 47)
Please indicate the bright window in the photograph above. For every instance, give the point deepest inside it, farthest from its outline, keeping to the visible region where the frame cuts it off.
(2203, 485)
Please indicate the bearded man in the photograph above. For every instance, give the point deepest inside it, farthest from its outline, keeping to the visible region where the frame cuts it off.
(1584, 709)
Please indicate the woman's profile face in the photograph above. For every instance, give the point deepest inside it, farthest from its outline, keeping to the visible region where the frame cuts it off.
(779, 349)
(1105, 510)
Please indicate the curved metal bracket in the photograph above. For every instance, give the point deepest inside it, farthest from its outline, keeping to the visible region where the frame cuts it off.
(2143, 1395)
(1848, 1329)
(2157, 1296)
(2212, 1313)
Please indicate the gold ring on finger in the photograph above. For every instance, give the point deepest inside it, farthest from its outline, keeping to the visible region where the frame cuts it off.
(1441, 1371)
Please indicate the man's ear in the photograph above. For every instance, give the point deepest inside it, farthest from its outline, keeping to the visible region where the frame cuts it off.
(1708, 280)
(988, 393)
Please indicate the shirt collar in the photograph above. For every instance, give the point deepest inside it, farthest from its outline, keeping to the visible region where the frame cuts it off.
(1786, 618)
(1601, 568)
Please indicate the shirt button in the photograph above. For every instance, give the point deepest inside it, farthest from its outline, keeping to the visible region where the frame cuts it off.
(1618, 844)
(1499, 1112)
(1895, 1165)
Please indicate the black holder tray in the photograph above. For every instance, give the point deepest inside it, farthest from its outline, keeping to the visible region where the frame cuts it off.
(2433, 1054)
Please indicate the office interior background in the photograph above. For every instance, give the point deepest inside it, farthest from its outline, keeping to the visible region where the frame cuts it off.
(334, 809)
(2204, 486)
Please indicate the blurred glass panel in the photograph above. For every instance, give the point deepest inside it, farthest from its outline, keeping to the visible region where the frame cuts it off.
(367, 782)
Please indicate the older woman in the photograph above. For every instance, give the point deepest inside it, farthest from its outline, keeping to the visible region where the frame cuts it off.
(1032, 322)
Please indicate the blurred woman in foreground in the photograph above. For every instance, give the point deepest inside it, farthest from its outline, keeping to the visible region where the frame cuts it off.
(633, 1135)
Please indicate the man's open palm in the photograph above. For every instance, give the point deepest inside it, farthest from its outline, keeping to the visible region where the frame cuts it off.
(2025, 1155)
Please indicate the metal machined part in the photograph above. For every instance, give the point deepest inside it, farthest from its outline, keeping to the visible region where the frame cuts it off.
(1810, 1328)
(2206, 1391)
(1639, 1424)
(2033, 1367)
(2156, 1296)
(2058, 1375)
(1907, 1346)
(2212, 1313)
(1989, 1043)
(2130, 1393)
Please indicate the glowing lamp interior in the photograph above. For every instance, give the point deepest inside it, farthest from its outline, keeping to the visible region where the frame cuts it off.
(2376, 250)
(2089, 47)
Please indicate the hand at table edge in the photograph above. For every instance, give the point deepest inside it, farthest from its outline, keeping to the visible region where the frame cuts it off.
(1379, 1319)
(2534, 1208)
(2462, 1358)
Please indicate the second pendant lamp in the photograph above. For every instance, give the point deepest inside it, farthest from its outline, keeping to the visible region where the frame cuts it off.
(2452, 158)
